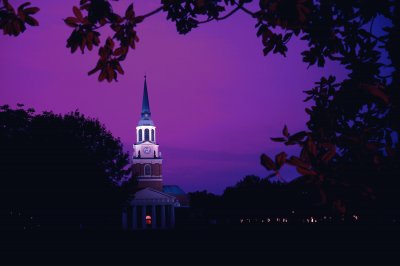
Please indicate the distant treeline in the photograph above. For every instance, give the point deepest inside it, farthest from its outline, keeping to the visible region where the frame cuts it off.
(255, 200)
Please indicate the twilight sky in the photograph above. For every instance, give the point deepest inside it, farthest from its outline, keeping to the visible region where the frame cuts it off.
(215, 99)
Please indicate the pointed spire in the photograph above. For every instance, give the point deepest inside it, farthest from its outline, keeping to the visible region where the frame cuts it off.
(145, 103)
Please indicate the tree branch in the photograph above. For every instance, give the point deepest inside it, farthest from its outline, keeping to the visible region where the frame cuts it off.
(221, 18)
(380, 39)
(241, 7)
(372, 24)
(155, 11)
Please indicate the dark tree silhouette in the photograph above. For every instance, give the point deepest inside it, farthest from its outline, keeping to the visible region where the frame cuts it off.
(262, 201)
(350, 151)
(259, 197)
(203, 206)
(64, 171)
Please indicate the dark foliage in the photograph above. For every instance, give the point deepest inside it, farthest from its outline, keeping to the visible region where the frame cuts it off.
(350, 150)
(204, 206)
(12, 21)
(260, 199)
(60, 171)
(99, 13)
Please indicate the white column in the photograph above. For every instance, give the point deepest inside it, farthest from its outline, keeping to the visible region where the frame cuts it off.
(153, 217)
(134, 217)
(124, 220)
(163, 216)
(143, 216)
(172, 216)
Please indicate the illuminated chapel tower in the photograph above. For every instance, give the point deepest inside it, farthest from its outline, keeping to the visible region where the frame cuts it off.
(147, 161)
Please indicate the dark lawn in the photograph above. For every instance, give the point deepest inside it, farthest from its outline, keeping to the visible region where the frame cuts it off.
(267, 245)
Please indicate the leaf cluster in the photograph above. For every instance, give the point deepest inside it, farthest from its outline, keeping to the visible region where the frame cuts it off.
(13, 22)
(88, 18)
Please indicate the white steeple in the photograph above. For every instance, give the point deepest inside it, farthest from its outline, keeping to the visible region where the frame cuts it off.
(147, 162)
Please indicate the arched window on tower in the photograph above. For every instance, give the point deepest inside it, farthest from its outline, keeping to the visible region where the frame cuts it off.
(147, 169)
(152, 135)
(140, 135)
(146, 134)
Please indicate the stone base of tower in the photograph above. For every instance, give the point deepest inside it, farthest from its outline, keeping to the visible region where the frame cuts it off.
(157, 185)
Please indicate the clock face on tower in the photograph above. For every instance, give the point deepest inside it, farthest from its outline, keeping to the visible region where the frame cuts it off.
(147, 150)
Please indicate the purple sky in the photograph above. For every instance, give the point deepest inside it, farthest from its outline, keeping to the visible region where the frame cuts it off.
(215, 99)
